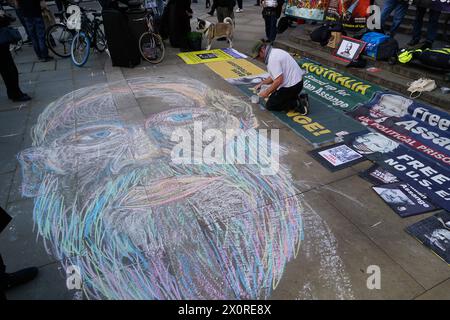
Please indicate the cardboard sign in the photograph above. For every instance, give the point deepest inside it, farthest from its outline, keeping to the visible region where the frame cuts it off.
(434, 233)
(404, 199)
(206, 56)
(378, 175)
(311, 10)
(349, 49)
(337, 157)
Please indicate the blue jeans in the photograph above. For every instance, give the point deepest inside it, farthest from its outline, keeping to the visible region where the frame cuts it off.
(433, 24)
(399, 7)
(36, 30)
(271, 26)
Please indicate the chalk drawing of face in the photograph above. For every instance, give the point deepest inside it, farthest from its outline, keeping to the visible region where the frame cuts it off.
(374, 142)
(108, 198)
(391, 105)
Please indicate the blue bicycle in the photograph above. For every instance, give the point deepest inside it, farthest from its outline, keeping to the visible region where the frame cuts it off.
(90, 33)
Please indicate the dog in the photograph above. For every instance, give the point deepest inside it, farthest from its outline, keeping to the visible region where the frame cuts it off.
(214, 31)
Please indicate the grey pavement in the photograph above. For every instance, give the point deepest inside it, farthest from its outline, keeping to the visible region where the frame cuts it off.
(347, 227)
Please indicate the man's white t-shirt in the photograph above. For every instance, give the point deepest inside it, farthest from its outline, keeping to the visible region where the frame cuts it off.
(281, 62)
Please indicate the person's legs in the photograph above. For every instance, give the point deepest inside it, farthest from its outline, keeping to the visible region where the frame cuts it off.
(273, 27)
(239, 3)
(22, 21)
(40, 32)
(399, 14)
(221, 11)
(59, 5)
(433, 25)
(389, 6)
(418, 23)
(284, 98)
(9, 73)
(29, 22)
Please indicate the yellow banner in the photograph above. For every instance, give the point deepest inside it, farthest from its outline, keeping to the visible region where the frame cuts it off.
(234, 69)
(205, 56)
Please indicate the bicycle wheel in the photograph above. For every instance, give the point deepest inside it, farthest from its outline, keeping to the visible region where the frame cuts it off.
(59, 39)
(152, 47)
(79, 51)
(99, 38)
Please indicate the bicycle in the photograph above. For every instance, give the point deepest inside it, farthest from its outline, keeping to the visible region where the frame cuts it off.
(151, 45)
(59, 37)
(90, 33)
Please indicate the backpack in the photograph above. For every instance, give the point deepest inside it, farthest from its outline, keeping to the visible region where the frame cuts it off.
(373, 40)
(387, 49)
(438, 58)
(321, 34)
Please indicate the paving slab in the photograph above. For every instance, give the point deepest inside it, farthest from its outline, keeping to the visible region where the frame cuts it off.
(10, 146)
(44, 66)
(357, 201)
(50, 284)
(19, 244)
(5, 185)
(334, 259)
(440, 292)
(24, 67)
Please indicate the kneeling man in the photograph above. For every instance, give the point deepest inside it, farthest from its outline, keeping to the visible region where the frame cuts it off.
(285, 80)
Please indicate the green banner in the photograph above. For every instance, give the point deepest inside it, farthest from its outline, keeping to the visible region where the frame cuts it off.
(323, 123)
(339, 90)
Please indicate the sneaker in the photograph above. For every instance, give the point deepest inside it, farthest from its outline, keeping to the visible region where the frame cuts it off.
(303, 104)
(211, 13)
(28, 41)
(20, 277)
(24, 97)
(239, 10)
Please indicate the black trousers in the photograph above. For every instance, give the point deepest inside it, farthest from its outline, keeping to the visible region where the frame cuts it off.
(2, 279)
(284, 98)
(9, 73)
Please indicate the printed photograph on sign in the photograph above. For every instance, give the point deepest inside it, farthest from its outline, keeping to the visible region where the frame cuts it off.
(336, 157)
(404, 199)
(378, 175)
(434, 233)
(349, 49)
(207, 56)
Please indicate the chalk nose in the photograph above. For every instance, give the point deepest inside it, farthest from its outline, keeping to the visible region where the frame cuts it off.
(140, 149)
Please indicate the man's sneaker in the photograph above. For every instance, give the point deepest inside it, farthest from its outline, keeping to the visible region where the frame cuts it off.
(303, 104)
(239, 10)
(20, 277)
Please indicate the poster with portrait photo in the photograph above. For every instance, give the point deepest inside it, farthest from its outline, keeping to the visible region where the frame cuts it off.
(349, 49)
(404, 199)
(434, 233)
(337, 156)
(378, 175)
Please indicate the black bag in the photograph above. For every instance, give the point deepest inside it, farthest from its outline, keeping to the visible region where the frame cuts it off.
(437, 58)
(387, 49)
(321, 34)
(122, 45)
